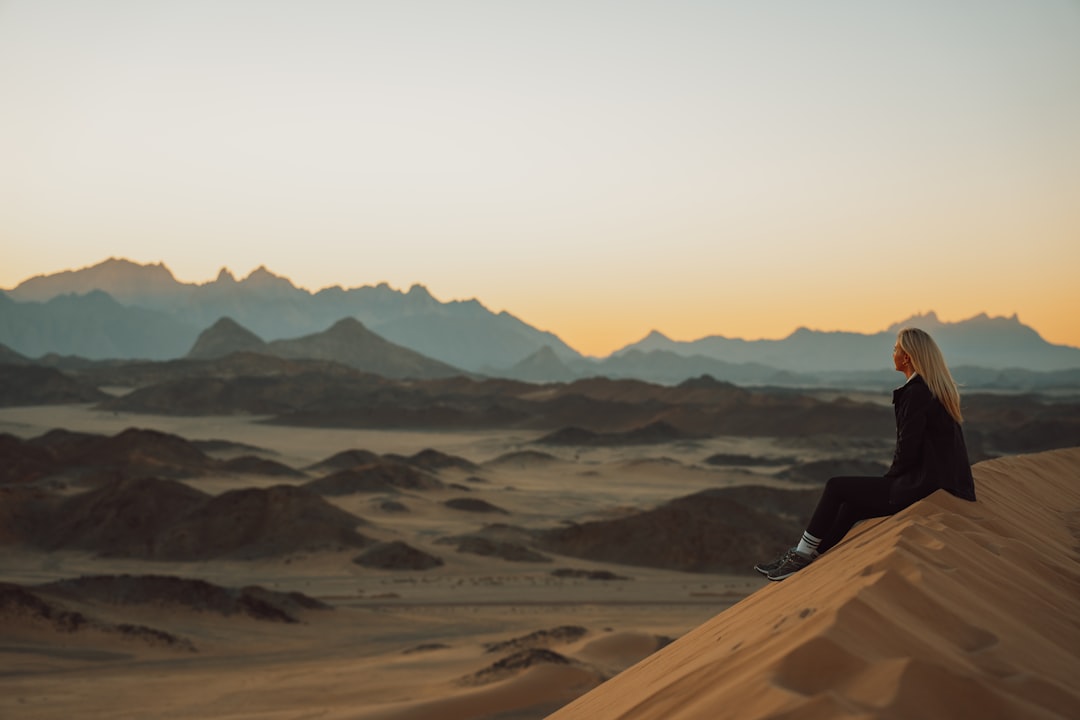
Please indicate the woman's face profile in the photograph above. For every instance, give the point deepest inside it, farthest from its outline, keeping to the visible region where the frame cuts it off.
(899, 357)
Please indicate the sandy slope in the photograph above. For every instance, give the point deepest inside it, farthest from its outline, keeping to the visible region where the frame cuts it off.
(947, 610)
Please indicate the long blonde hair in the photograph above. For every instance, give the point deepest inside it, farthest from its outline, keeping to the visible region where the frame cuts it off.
(928, 361)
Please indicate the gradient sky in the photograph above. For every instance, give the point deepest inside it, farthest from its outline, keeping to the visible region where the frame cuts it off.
(598, 169)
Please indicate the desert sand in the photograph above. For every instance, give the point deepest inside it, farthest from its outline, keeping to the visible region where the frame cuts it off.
(945, 608)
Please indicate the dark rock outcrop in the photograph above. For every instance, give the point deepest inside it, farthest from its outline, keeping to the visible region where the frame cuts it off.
(345, 460)
(157, 519)
(198, 595)
(29, 607)
(512, 664)
(475, 505)
(651, 434)
(491, 547)
(257, 522)
(74, 457)
(253, 465)
(383, 476)
(397, 555)
(35, 385)
(710, 531)
(540, 639)
(587, 574)
(430, 459)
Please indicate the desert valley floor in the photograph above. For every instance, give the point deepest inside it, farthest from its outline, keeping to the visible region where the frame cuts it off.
(481, 635)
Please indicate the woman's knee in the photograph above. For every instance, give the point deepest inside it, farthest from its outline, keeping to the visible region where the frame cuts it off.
(848, 487)
(836, 485)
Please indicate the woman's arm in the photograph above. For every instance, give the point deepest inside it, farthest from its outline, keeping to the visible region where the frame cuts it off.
(912, 408)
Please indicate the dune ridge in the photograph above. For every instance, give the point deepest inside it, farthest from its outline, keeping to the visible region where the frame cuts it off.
(948, 609)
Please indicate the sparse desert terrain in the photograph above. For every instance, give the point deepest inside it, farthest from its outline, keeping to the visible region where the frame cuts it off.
(229, 567)
(486, 575)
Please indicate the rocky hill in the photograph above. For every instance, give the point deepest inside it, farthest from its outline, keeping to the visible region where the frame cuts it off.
(69, 457)
(350, 343)
(183, 593)
(154, 519)
(34, 385)
(710, 531)
(223, 338)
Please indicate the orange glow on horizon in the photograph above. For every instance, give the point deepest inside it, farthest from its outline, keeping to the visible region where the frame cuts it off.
(599, 323)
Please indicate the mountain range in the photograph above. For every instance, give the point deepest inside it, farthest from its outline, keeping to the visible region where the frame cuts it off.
(154, 316)
(118, 309)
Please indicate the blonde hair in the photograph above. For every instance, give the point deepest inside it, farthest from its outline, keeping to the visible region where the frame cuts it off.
(928, 361)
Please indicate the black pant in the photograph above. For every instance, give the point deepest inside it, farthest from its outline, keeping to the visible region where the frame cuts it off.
(846, 501)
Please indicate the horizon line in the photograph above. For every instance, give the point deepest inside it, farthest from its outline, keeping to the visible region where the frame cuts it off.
(225, 270)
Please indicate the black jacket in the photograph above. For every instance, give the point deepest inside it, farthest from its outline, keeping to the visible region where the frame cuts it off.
(930, 451)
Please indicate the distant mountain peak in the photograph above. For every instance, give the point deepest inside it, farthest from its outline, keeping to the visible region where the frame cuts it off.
(929, 321)
(544, 354)
(543, 365)
(121, 278)
(261, 277)
(419, 295)
(225, 337)
(228, 324)
(113, 261)
(924, 321)
(225, 276)
(982, 317)
(655, 340)
(349, 342)
(346, 324)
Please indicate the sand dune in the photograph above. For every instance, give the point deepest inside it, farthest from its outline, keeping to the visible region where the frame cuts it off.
(947, 610)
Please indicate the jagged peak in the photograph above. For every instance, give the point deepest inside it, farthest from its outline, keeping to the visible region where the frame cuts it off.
(983, 317)
(113, 261)
(262, 275)
(225, 275)
(120, 277)
(931, 320)
(116, 264)
(922, 320)
(418, 296)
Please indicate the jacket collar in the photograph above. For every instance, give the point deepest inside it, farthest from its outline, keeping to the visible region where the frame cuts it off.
(915, 378)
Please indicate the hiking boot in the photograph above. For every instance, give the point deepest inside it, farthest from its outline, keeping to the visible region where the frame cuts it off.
(766, 568)
(793, 562)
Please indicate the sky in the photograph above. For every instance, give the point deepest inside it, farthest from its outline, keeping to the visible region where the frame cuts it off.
(597, 169)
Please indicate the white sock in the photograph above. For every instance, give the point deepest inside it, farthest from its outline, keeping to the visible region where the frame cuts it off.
(808, 545)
